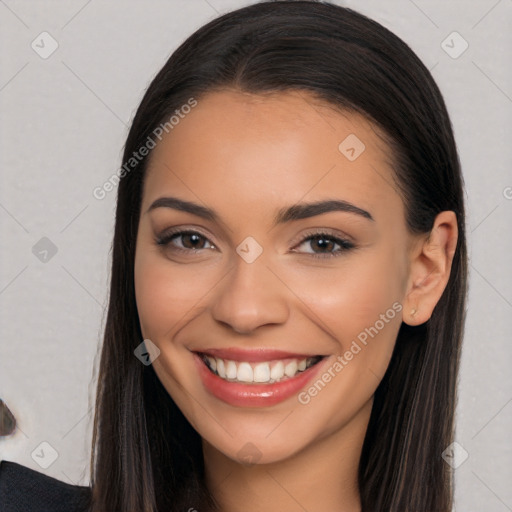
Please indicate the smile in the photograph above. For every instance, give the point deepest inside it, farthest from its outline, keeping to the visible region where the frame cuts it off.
(262, 372)
(255, 378)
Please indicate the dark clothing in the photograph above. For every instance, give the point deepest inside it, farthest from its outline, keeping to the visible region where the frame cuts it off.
(25, 490)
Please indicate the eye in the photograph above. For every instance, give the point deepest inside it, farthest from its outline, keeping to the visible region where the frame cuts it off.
(190, 241)
(327, 244)
(322, 244)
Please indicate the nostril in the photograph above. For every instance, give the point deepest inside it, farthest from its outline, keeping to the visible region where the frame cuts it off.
(7, 420)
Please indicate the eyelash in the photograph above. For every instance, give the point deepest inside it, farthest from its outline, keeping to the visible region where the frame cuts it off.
(346, 245)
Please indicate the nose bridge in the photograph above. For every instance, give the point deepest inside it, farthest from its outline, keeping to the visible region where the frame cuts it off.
(251, 295)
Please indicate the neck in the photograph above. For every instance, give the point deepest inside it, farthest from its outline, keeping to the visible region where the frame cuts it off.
(322, 476)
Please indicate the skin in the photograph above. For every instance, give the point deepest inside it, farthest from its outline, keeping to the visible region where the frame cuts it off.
(246, 156)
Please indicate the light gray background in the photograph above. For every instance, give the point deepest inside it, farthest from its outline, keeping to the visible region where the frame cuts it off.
(64, 121)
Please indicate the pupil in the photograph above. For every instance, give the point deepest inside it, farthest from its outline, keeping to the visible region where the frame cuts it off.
(323, 243)
(190, 237)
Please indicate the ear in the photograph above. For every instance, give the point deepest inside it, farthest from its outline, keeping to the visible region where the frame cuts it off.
(430, 265)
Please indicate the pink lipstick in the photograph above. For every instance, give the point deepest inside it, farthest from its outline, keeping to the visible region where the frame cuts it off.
(255, 378)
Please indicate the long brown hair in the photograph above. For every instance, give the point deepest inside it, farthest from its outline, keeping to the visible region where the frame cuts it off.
(145, 455)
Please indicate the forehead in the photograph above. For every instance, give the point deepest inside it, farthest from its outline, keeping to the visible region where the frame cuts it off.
(288, 146)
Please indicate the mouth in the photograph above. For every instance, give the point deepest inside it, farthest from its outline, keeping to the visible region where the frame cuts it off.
(255, 378)
(263, 372)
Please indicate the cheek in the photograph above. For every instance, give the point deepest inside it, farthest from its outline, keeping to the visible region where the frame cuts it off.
(352, 295)
(360, 305)
(166, 291)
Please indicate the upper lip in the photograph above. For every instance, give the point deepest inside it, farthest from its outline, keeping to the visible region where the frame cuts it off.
(252, 355)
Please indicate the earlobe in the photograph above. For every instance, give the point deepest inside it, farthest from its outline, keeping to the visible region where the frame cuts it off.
(430, 267)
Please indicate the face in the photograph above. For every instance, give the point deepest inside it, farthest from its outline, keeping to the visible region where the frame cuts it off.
(275, 321)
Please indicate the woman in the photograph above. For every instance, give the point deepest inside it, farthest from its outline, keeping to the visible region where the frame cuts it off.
(289, 276)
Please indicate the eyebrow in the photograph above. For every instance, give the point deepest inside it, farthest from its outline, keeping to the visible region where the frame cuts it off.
(295, 212)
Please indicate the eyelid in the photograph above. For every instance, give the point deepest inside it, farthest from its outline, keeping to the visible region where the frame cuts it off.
(310, 232)
(345, 243)
(167, 233)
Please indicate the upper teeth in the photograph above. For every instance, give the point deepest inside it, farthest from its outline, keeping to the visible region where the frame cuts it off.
(268, 371)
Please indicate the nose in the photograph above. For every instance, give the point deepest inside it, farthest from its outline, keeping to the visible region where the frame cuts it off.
(250, 296)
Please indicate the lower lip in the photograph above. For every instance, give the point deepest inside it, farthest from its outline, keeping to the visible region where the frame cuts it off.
(254, 395)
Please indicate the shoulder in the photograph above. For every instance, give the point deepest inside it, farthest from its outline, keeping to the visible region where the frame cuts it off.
(22, 488)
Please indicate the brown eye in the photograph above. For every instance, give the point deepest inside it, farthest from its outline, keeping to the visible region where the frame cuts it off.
(185, 241)
(325, 245)
(191, 240)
